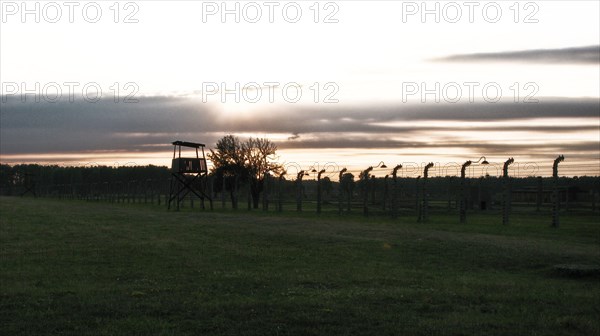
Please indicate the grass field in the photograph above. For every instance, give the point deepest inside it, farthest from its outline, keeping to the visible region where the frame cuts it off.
(84, 268)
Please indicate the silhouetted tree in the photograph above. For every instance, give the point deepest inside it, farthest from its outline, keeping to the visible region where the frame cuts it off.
(228, 165)
(246, 161)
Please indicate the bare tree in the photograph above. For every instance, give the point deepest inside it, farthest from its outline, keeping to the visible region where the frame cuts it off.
(247, 161)
(260, 158)
(228, 165)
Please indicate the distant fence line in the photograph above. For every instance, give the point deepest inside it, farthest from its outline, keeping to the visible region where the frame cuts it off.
(413, 169)
(372, 196)
(410, 190)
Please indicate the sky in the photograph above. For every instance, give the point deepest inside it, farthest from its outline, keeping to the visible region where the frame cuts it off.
(333, 84)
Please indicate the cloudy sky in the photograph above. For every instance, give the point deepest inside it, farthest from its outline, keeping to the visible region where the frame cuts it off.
(348, 82)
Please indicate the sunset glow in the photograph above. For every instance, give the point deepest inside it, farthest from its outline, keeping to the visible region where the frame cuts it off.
(353, 83)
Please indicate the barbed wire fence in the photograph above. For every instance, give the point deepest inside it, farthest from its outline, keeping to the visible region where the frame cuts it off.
(530, 188)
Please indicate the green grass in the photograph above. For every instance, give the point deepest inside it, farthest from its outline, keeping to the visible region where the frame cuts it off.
(85, 268)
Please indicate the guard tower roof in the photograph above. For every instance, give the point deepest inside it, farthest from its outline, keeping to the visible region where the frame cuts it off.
(188, 144)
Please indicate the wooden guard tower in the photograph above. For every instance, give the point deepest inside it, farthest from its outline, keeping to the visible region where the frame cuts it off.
(188, 174)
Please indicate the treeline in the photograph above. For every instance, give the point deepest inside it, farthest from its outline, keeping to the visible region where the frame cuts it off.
(15, 178)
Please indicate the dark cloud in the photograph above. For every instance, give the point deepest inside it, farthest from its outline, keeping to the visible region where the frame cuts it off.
(32, 127)
(154, 122)
(483, 147)
(575, 55)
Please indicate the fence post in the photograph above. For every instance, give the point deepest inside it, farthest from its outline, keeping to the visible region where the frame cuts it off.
(340, 190)
(424, 213)
(506, 192)
(418, 197)
(463, 195)
(280, 191)
(365, 189)
(394, 200)
(319, 191)
(386, 193)
(299, 191)
(373, 189)
(556, 205)
(480, 193)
